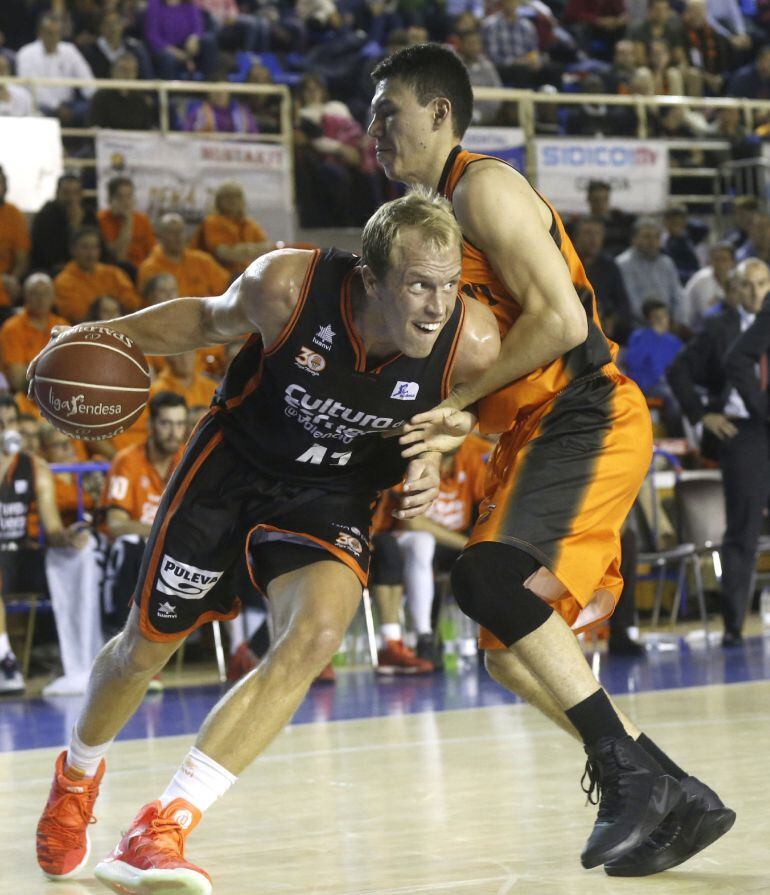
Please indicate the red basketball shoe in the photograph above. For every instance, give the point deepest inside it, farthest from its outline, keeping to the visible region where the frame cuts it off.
(150, 856)
(62, 832)
(396, 658)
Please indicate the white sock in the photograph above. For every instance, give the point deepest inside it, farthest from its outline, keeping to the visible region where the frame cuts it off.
(85, 758)
(5, 645)
(390, 632)
(199, 781)
(418, 548)
(235, 633)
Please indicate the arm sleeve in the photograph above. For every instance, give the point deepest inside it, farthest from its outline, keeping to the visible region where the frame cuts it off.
(152, 27)
(11, 349)
(689, 369)
(741, 360)
(81, 69)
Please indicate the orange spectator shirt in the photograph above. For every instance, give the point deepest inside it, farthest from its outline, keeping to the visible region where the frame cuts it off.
(197, 274)
(14, 238)
(77, 288)
(216, 230)
(133, 483)
(460, 490)
(498, 411)
(20, 341)
(199, 393)
(142, 235)
(137, 434)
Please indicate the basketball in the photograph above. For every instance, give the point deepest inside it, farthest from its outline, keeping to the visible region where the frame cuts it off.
(91, 382)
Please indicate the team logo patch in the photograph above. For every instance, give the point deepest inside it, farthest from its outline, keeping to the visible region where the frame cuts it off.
(21, 486)
(166, 610)
(324, 337)
(307, 359)
(178, 579)
(405, 391)
(349, 543)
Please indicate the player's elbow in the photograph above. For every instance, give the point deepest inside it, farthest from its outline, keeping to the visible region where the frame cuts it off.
(572, 328)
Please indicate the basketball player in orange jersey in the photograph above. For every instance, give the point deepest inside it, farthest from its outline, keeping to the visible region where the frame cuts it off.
(284, 469)
(543, 558)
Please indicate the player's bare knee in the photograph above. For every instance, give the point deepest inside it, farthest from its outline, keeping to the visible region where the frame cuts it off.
(136, 656)
(319, 643)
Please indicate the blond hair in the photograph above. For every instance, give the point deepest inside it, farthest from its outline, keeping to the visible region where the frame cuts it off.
(420, 208)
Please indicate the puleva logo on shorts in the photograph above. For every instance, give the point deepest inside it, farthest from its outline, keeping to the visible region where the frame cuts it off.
(178, 579)
(405, 391)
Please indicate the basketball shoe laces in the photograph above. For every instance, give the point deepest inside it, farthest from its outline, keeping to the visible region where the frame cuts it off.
(59, 834)
(164, 834)
(603, 789)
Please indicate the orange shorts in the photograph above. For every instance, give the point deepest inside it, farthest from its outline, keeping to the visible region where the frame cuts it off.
(559, 487)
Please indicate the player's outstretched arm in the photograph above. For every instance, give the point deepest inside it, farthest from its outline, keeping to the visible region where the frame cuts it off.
(500, 214)
(260, 300)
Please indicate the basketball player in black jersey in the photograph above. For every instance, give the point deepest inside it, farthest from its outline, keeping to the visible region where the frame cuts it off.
(285, 468)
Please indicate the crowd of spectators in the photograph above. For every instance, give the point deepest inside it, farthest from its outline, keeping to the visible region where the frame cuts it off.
(325, 50)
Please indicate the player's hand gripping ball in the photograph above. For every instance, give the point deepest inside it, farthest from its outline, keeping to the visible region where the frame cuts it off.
(91, 382)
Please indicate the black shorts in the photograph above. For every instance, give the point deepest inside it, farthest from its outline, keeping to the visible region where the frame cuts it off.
(218, 513)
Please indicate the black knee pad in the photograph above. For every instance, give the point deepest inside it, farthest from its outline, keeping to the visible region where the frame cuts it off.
(488, 584)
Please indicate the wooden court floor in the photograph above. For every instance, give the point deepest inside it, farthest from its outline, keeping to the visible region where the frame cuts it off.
(474, 802)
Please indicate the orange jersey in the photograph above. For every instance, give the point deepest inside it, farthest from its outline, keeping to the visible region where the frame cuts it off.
(142, 235)
(133, 483)
(216, 230)
(498, 411)
(198, 394)
(77, 288)
(14, 238)
(460, 491)
(197, 274)
(20, 341)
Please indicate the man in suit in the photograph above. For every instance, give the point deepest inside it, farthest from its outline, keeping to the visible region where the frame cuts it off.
(732, 434)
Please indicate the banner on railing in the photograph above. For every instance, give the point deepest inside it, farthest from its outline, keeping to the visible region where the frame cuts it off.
(181, 173)
(637, 171)
(506, 143)
(31, 156)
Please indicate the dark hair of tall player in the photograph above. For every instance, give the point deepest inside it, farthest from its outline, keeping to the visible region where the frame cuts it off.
(432, 71)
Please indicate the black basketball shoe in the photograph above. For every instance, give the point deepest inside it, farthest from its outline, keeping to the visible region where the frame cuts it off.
(633, 793)
(692, 826)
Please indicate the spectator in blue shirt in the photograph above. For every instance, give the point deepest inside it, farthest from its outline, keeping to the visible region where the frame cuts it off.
(649, 352)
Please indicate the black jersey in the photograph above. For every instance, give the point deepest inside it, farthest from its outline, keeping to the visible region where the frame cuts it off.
(308, 411)
(17, 495)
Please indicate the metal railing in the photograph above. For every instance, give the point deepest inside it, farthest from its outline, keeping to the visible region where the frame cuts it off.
(165, 91)
(718, 150)
(527, 102)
